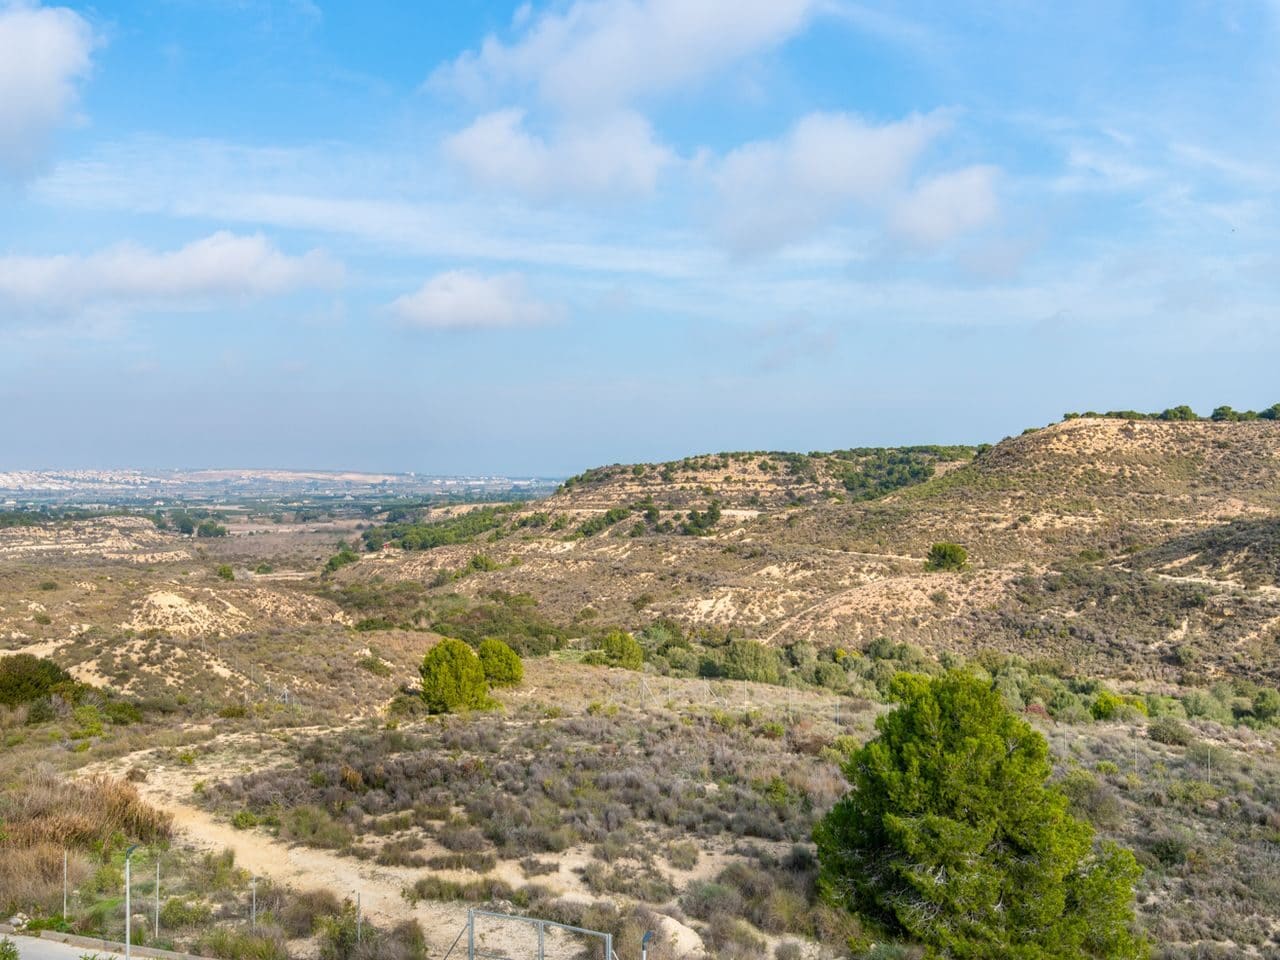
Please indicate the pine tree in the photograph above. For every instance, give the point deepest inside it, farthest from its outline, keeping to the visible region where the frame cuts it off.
(952, 837)
(453, 679)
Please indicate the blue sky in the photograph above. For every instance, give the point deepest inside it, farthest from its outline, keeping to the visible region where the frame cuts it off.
(531, 238)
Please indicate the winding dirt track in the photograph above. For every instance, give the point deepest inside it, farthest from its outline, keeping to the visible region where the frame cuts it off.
(302, 868)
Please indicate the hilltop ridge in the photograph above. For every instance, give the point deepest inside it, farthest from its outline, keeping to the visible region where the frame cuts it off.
(777, 547)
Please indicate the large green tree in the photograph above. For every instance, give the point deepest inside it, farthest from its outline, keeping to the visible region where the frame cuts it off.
(952, 837)
(453, 679)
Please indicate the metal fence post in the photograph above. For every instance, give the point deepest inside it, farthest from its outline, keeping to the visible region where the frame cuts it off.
(359, 920)
(128, 904)
(156, 931)
(471, 933)
(64, 884)
(253, 909)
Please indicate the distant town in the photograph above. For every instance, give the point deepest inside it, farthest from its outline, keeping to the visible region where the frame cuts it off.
(28, 487)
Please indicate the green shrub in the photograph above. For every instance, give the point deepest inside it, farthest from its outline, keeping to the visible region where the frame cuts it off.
(304, 910)
(590, 528)
(699, 524)
(453, 678)
(8, 949)
(89, 720)
(1266, 705)
(179, 912)
(475, 891)
(232, 944)
(751, 660)
(375, 665)
(502, 665)
(621, 649)
(462, 528)
(1107, 705)
(25, 678)
(946, 556)
(225, 572)
(315, 827)
(338, 933)
(344, 556)
(1169, 730)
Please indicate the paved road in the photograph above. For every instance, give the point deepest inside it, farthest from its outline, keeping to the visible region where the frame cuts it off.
(32, 948)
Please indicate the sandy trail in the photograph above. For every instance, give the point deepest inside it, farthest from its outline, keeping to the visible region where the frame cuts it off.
(303, 868)
(1264, 589)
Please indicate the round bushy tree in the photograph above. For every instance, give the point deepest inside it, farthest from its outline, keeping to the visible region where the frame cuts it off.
(946, 556)
(502, 665)
(453, 679)
(951, 837)
(621, 649)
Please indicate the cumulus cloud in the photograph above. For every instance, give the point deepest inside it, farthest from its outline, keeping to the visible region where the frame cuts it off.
(124, 278)
(775, 192)
(463, 300)
(943, 207)
(611, 156)
(601, 54)
(44, 53)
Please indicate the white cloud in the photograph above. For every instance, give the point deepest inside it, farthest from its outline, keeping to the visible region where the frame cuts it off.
(611, 156)
(941, 208)
(598, 55)
(123, 278)
(462, 300)
(776, 192)
(44, 53)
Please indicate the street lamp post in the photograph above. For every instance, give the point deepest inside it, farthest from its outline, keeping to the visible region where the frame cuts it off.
(128, 906)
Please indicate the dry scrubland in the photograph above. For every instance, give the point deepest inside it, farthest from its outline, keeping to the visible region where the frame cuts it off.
(1123, 592)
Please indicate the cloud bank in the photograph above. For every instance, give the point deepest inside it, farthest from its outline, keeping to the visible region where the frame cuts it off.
(44, 54)
(219, 268)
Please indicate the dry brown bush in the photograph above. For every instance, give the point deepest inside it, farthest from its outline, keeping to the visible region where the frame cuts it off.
(45, 808)
(32, 877)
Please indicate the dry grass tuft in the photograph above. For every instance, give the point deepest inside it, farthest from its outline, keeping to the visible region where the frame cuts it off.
(45, 808)
(32, 876)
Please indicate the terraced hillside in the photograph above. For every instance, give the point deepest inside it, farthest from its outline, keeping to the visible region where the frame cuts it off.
(1060, 525)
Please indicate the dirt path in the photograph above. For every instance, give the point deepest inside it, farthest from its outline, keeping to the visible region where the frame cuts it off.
(380, 888)
(1265, 589)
